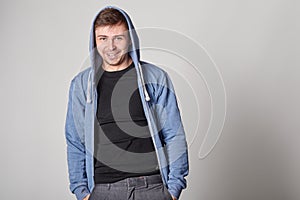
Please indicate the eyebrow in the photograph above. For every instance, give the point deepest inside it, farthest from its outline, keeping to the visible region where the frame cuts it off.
(122, 35)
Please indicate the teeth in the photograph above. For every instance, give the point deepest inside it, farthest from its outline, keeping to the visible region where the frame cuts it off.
(112, 55)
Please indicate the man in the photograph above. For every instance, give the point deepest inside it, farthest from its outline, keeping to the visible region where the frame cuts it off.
(125, 138)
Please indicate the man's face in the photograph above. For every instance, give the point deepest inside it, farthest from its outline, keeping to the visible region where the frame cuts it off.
(112, 44)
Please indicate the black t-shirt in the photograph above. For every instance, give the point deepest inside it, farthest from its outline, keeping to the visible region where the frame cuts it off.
(123, 144)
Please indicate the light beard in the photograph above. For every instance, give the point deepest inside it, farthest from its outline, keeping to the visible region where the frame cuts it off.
(121, 63)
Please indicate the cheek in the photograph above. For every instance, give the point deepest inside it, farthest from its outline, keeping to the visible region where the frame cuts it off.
(124, 46)
(100, 48)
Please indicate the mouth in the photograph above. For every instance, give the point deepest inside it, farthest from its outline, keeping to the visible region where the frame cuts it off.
(112, 56)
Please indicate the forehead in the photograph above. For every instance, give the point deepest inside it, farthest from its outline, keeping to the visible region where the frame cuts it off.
(117, 29)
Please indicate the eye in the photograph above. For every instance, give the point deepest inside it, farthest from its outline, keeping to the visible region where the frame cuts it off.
(102, 38)
(119, 38)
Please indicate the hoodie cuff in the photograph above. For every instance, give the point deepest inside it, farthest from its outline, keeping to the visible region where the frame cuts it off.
(175, 193)
(81, 192)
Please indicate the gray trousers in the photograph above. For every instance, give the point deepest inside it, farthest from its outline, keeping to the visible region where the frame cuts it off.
(135, 188)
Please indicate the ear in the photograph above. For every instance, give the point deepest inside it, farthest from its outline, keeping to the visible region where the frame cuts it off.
(130, 47)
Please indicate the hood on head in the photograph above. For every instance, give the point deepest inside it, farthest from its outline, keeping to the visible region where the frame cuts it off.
(134, 52)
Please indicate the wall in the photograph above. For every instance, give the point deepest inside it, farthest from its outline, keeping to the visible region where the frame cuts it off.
(252, 47)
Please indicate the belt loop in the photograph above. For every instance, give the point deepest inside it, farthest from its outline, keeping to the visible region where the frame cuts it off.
(108, 185)
(128, 183)
(146, 181)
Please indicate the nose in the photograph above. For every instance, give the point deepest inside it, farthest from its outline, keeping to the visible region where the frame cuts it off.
(111, 45)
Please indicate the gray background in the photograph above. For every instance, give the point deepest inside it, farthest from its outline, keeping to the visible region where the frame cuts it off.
(254, 44)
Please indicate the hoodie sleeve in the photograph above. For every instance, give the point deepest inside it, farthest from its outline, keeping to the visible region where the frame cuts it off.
(173, 137)
(75, 147)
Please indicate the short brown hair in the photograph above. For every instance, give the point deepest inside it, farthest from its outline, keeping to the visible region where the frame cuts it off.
(110, 17)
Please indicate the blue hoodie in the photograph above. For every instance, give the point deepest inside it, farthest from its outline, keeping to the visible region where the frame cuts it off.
(161, 111)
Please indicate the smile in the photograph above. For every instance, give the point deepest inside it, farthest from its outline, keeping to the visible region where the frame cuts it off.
(112, 55)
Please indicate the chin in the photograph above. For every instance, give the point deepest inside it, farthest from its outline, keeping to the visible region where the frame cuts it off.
(114, 63)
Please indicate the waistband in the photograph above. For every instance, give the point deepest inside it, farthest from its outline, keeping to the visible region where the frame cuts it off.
(140, 181)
